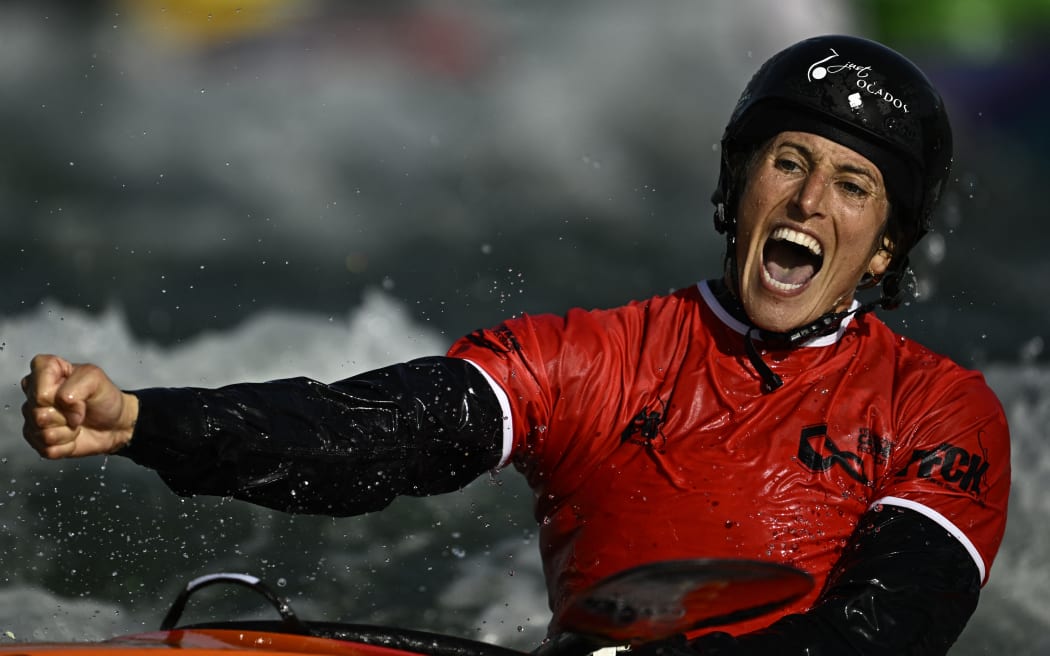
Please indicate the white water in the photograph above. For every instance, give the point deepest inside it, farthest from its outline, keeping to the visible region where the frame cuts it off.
(601, 113)
(491, 584)
(465, 563)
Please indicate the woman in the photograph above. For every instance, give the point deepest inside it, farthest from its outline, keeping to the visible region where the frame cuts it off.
(766, 415)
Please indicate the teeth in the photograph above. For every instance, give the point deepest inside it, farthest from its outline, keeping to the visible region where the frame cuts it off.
(799, 238)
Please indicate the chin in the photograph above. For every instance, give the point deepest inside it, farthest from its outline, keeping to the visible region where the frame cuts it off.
(773, 322)
(783, 326)
(775, 313)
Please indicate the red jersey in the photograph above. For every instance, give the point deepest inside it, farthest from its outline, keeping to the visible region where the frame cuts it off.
(645, 435)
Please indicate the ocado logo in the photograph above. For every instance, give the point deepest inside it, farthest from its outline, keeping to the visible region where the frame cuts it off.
(817, 71)
(821, 69)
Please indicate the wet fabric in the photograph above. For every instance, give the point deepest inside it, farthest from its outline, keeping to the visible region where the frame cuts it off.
(646, 436)
(418, 428)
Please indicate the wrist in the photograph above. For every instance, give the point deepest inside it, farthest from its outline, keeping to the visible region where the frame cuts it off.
(129, 414)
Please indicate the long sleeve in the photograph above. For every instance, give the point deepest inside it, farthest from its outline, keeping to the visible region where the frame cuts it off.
(903, 586)
(423, 427)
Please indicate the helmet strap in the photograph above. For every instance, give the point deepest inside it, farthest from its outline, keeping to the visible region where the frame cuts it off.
(825, 324)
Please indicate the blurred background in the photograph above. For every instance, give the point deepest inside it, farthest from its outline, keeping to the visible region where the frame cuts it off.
(195, 192)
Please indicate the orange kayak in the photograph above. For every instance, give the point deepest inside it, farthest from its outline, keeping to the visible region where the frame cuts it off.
(285, 637)
(650, 602)
(202, 642)
(349, 640)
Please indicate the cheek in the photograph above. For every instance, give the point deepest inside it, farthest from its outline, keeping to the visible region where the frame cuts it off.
(747, 247)
(860, 250)
(754, 204)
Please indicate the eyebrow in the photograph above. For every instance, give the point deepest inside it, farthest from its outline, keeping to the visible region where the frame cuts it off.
(849, 168)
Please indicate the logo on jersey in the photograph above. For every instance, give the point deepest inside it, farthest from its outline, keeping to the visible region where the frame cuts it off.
(645, 428)
(950, 466)
(819, 453)
(860, 457)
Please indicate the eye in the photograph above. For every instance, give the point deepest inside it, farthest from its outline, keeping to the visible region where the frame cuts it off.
(787, 165)
(853, 189)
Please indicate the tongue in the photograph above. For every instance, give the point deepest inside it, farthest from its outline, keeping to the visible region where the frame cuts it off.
(788, 263)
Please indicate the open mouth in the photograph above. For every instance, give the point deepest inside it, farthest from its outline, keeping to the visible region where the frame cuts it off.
(790, 259)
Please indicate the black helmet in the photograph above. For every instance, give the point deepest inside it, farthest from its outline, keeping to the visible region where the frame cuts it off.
(864, 96)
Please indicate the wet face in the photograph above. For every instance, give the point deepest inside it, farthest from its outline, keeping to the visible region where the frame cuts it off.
(810, 224)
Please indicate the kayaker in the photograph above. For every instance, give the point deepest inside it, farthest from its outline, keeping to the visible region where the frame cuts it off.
(765, 414)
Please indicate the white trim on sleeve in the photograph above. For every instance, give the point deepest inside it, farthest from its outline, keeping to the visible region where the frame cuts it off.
(943, 521)
(504, 404)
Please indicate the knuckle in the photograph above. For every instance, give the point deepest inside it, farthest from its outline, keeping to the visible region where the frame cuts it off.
(55, 442)
(43, 416)
(48, 438)
(56, 452)
(88, 369)
(40, 361)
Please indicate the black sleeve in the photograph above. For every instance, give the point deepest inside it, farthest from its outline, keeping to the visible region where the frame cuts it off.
(423, 427)
(903, 586)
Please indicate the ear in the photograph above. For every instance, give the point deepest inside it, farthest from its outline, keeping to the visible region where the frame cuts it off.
(880, 261)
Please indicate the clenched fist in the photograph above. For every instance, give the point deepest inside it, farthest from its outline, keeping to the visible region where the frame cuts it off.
(73, 410)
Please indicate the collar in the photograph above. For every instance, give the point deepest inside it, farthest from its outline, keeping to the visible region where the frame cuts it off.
(706, 288)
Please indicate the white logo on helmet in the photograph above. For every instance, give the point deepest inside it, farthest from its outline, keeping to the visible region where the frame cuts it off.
(821, 69)
(818, 72)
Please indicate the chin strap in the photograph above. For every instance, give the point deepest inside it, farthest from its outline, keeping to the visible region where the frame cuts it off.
(823, 325)
(770, 380)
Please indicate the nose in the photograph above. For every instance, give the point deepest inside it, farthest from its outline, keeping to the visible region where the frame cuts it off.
(811, 194)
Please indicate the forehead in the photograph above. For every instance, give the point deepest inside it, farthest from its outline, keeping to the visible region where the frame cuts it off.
(822, 149)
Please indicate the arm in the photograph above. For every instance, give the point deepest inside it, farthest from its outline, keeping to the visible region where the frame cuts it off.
(903, 585)
(423, 427)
